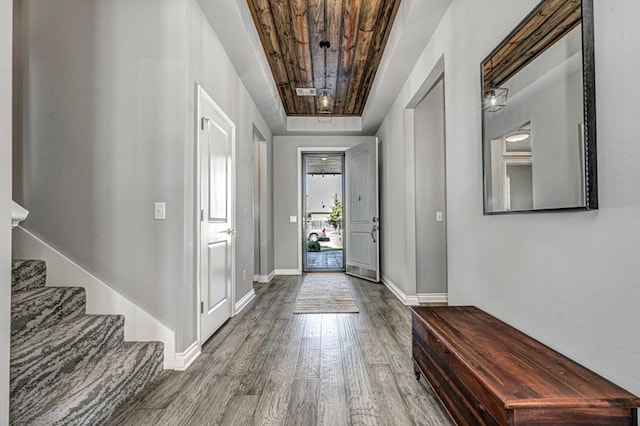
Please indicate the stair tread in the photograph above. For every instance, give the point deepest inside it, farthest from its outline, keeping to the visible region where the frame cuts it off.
(45, 307)
(91, 394)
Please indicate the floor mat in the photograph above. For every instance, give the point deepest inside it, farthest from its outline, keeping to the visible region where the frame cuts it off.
(325, 294)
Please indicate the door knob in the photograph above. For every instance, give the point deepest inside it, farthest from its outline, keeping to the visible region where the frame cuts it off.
(229, 231)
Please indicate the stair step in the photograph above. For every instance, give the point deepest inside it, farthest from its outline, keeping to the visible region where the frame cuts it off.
(39, 360)
(27, 274)
(90, 395)
(33, 310)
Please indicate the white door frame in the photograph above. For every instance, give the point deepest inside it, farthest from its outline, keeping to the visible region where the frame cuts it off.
(263, 148)
(302, 150)
(201, 93)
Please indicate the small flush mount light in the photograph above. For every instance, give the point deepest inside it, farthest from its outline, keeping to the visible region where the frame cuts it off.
(517, 137)
(495, 99)
(324, 158)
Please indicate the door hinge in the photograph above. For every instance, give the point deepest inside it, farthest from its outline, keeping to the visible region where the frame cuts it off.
(201, 215)
(202, 307)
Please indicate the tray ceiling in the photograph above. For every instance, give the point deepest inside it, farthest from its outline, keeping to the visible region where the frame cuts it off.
(290, 32)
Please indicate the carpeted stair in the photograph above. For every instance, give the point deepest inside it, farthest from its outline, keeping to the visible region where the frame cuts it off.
(69, 368)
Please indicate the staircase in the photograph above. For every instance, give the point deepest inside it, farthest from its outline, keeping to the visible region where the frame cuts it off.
(67, 367)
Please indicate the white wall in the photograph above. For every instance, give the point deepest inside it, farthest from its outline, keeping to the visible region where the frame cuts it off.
(431, 238)
(109, 129)
(285, 191)
(210, 66)
(6, 28)
(569, 280)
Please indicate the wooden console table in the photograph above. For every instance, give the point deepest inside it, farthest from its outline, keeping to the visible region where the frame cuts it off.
(488, 373)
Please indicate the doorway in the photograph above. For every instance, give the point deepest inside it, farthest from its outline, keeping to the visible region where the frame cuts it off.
(259, 207)
(323, 248)
(430, 195)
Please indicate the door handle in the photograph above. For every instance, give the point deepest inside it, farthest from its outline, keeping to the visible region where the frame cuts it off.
(228, 231)
(374, 229)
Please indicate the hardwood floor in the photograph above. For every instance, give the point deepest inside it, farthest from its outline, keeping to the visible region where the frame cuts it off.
(268, 366)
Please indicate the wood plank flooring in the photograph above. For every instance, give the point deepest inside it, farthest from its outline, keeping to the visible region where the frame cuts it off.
(269, 366)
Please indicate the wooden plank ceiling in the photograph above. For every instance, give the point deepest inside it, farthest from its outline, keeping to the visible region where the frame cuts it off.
(290, 32)
(548, 23)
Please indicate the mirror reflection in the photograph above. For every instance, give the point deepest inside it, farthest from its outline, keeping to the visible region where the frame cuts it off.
(533, 114)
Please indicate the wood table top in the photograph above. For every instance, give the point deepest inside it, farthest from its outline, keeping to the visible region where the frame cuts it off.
(521, 371)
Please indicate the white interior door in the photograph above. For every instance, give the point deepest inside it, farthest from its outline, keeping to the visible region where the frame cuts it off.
(216, 139)
(361, 216)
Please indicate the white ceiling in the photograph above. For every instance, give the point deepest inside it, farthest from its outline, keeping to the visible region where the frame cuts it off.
(414, 25)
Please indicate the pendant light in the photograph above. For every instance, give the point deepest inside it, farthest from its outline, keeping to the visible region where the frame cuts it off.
(495, 98)
(324, 98)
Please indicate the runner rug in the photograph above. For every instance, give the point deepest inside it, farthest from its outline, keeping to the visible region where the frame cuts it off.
(325, 294)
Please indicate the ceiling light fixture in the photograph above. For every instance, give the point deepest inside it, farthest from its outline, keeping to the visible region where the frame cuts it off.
(325, 99)
(517, 137)
(495, 98)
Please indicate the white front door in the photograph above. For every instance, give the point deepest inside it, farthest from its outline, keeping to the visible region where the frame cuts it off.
(361, 211)
(216, 140)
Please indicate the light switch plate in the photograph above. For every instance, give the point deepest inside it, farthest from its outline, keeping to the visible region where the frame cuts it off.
(438, 216)
(293, 219)
(159, 210)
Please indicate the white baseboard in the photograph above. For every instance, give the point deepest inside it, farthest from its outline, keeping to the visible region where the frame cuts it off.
(268, 278)
(288, 272)
(246, 299)
(139, 325)
(406, 300)
(433, 297)
(264, 279)
(184, 359)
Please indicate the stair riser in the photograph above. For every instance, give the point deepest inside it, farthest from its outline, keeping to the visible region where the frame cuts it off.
(123, 386)
(38, 362)
(28, 275)
(100, 392)
(45, 308)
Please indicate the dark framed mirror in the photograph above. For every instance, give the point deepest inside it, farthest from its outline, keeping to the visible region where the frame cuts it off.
(538, 113)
